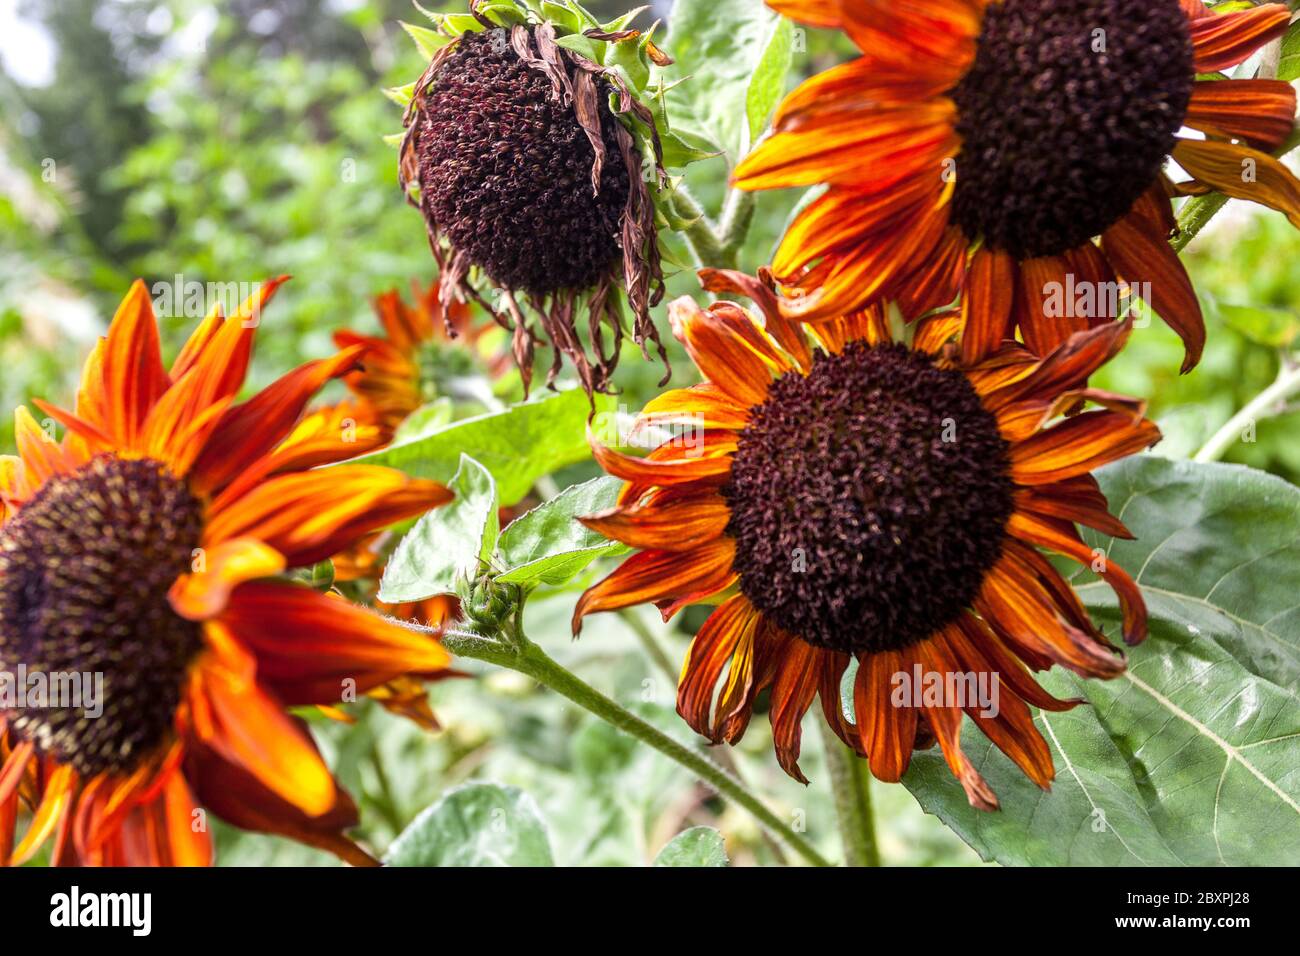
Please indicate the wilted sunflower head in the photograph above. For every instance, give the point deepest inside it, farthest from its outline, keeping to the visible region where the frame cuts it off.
(1006, 151)
(150, 550)
(531, 153)
(877, 502)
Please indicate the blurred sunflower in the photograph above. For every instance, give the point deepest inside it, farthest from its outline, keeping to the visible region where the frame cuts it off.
(145, 546)
(424, 346)
(878, 503)
(980, 146)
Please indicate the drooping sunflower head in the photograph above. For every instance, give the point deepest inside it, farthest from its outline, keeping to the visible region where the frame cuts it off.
(872, 502)
(1006, 150)
(539, 168)
(151, 549)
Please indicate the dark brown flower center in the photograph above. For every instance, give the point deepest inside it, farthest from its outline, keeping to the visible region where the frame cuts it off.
(868, 499)
(1066, 117)
(505, 171)
(85, 567)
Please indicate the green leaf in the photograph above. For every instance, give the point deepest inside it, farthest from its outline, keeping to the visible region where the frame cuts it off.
(480, 824)
(593, 50)
(1190, 756)
(448, 544)
(768, 84)
(1276, 328)
(425, 419)
(548, 545)
(698, 846)
(731, 50)
(1288, 67)
(428, 41)
(681, 148)
(517, 445)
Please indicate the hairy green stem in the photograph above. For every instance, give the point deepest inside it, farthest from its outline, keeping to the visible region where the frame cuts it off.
(1262, 405)
(715, 246)
(851, 787)
(737, 215)
(518, 653)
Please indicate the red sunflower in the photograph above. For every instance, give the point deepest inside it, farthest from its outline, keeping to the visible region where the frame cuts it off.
(981, 147)
(148, 546)
(879, 505)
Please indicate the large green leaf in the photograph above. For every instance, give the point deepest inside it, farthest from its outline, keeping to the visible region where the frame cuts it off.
(548, 545)
(481, 824)
(517, 445)
(1193, 755)
(449, 543)
(698, 846)
(736, 56)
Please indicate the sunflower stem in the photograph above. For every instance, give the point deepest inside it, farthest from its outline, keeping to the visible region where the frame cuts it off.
(737, 215)
(527, 658)
(851, 787)
(1263, 405)
(701, 234)
(1196, 213)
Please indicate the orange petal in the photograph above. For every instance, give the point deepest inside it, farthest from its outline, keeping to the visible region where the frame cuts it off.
(704, 406)
(204, 593)
(946, 724)
(308, 516)
(134, 376)
(251, 429)
(1046, 319)
(1008, 723)
(42, 456)
(251, 730)
(680, 525)
(888, 731)
(310, 645)
(1221, 41)
(56, 800)
(792, 695)
(710, 470)
(728, 349)
(1243, 173)
(1259, 111)
(1064, 539)
(727, 635)
(1079, 445)
(652, 576)
(1143, 258)
(241, 799)
(1069, 366)
(986, 303)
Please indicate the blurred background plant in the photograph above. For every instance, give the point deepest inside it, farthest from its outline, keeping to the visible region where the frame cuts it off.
(233, 142)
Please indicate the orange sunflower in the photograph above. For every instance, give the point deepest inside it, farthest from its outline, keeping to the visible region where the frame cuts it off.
(407, 366)
(981, 147)
(877, 504)
(148, 547)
